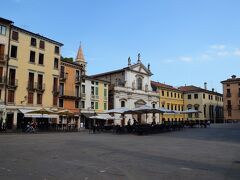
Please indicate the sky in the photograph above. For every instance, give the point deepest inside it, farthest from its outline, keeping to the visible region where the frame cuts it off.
(186, 42)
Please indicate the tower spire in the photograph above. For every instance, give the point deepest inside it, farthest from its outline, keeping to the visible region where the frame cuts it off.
(80, 56)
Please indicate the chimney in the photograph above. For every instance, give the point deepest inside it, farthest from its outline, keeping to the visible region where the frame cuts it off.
(233, 76)
(205, 85)
(149, 66)
(212, 89)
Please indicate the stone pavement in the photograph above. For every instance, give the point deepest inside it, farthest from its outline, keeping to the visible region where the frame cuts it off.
(197, 153)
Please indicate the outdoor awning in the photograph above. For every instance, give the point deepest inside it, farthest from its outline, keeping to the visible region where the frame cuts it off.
(88, 115)
(27, 113)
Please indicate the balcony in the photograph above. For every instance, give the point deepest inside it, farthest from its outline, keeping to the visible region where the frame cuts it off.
(77, 79)
(39, 86)
(63, 76)
(30, 86)
(55, 90)
(3, 58)
(2, 80)
(228, 95)
(229, 106)
(69, 94)
(95, 97)
(12, 83)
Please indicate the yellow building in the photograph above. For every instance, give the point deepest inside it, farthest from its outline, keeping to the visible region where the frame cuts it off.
(170, 98)
(32, 74)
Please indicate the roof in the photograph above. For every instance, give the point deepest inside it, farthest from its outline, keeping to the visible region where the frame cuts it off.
(37, 35)
(123, 69)
(231, 80)
(80, 56)
(6, 20)
(165, 86)
(71, 63)
(191, 88)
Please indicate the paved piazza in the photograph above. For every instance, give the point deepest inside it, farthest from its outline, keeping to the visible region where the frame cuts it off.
(212, 153)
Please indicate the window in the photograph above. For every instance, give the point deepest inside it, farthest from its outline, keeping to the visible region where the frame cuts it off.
(105, 92)
(96, 83)
(41, 59)
(171, 94)
(77, 91)
(83, 89)
(162, 93)
(203, 96)
(168, 106)
(96, 91)
(228, 85)
(42, 44)
(195, 96)
(33, 42)
(96, 105)
(229, 112)
(39, 98)
(92, 90)
(14, 51)
(55, 84)
(10, 96)
(61, 89)
(122, 103)
(32, 56)
(30, 81)
(92, 105)
(60, 102)
(55, 99)
(105, 85)
(175, 95)
(3, 30)
(56, 50)
(76, 104)
(30, 98)
(83, 104)
(15, 35)
(209, 97)
(167, 94)
(189, 96)
(154, 105)
(105, 106)
(178, 95)
(139, 83)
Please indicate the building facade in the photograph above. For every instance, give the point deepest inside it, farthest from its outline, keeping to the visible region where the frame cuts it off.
(170, 98)
(131, 87)
(231, 99)
(210, 103)
(5, 31)
(32, 70)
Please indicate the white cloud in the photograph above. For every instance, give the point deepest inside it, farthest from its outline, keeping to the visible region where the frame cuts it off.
(223, 53)
(185, 58)
(218, 46)
(205, 56)
(237, 52)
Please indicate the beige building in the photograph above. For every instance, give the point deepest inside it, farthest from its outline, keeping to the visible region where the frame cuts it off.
(5, 28)
(231, 99)
(32, 74)
(210, 103)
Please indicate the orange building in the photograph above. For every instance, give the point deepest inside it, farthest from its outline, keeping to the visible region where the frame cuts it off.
(70, 86)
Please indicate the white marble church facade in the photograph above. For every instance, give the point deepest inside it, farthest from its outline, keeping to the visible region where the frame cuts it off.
(130, 87)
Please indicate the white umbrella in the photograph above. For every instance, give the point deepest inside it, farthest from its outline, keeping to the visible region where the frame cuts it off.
(144, 109)
(190, 111)
(121, 110)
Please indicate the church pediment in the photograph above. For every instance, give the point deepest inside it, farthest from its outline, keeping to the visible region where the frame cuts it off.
(140, 68)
